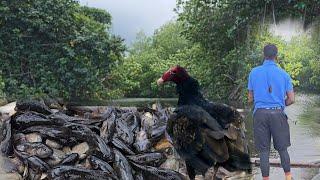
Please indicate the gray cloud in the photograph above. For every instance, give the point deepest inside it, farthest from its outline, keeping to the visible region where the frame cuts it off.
(131, 16)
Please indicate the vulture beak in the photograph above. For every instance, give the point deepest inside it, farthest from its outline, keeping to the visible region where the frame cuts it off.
(160, 81)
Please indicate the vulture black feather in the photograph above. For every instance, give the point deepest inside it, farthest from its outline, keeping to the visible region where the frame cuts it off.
(204, 133)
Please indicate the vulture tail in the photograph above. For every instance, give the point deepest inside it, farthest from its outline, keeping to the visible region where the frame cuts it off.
(238, 161)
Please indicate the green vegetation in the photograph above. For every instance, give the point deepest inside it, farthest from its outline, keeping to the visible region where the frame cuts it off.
(2, 95)
(55, 47)
(149, 57)
(59, 48)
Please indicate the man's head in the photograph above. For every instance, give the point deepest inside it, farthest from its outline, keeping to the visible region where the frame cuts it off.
(270, 52)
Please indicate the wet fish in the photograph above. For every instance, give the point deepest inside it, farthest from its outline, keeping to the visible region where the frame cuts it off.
(6, 143)
(158, 130)
(147, 121)
(133, 122)
(138, 176)
(37, 164)
(99, 164)
(151, 159)
(35, 149)
(62, 135)
(19, 138)
(59, 116)
(109, 112)
(122, 166)
(103, 147)
(108, 128)
(70, 159)
(154, 173)
(33, 162)
(33, 174)
(56, 157)
(122, 146)
(76, 173)
(32, 105)
(123, 132)
(142, 143)
(28, 119)
(79, 130)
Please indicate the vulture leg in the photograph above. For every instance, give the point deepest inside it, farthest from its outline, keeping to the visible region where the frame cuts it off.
(191, 171)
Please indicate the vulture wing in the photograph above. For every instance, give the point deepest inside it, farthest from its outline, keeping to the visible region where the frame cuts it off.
(197, 137)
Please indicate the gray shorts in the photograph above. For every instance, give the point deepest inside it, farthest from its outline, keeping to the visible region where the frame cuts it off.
(267, 123)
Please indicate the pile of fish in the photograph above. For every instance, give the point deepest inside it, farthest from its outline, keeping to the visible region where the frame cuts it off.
(117, 144)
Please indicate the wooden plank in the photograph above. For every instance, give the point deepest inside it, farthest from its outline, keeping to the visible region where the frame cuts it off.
(277, 163)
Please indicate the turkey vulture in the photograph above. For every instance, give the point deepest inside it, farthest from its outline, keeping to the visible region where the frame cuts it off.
(205, 134)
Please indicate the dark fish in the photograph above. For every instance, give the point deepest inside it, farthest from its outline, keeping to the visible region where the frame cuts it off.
(76, 173)
(37, 164)
(23, 121)
(71, 159)
(99, 164)
(63, 117)
(154, 173)
(133, 122)
(62, 135)
(32, 105)
(151, 159)
(84, 133)
(110, 111)
(35, 149)
(80, 131)
(108, 128)
(56, 157)
(138, 176)
(122, 146)
(103, 147)
(123, 132)
(100, 155)
(122, 166)
(6, 143)
(33, 162)
(142, 143)
(158, 130)
(147, 121)
(33, 174)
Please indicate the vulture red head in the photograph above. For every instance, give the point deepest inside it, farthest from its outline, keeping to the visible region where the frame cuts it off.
(175, 74)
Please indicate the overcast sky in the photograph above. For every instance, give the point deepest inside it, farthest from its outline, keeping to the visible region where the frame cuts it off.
(131, 16)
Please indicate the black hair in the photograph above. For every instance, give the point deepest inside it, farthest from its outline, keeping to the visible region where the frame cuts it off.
(270, 51)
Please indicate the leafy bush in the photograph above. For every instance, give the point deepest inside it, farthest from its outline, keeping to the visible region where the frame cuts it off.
(2, 95)
(55, 47)
(149, 57)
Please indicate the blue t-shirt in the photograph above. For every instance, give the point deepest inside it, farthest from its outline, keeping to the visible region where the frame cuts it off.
(269, 84)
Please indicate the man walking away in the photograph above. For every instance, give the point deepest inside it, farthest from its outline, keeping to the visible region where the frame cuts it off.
(271, 89)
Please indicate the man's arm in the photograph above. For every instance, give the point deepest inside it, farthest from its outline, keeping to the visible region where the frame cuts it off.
(290, 98)
(250, 97)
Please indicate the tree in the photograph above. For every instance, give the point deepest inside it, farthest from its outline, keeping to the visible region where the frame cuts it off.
(228, 30)
(149, 57)
(55, 47)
